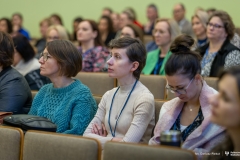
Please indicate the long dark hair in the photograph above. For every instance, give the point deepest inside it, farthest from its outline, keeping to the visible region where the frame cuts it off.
(9, 25)
(109, 23)
(183, 60)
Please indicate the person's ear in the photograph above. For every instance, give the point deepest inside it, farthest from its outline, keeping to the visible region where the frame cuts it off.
(198, 78)
(134, 66)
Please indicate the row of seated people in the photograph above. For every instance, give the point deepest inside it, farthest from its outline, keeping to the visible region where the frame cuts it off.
(126, 113)
(216, 51)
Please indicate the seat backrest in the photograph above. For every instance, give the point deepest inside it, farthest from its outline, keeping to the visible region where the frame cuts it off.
(212, 82)
(156, 84)
(97, 99)
(98, 83)
(11, 143)
(48, 146)
(158, 106)
(147, 38)
(33, 93)
(120, 151)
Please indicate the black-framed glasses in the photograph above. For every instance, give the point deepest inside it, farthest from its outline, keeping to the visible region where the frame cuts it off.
(214, 25)
(179, 91)
(45, 56)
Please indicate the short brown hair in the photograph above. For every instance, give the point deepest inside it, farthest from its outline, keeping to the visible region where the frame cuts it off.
(227, 22)
(6, 50)
(135, 51)
(68, 57)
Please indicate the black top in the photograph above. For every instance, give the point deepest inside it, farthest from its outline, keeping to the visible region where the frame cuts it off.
(110, 36)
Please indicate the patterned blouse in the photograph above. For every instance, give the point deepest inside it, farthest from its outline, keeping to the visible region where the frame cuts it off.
(189, 129)
(95, 59)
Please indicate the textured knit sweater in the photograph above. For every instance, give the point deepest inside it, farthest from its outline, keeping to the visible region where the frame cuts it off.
(71, 108)
(137, 119)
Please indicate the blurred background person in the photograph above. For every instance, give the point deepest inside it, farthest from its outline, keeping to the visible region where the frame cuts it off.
(133, 31)
(17, 22)
(76, 21)
(219, 52)
(56, 19)
(107, 11)
(199, 26)
(185, 26)
(116, 20)
(165, 31)
(211, 10)
(106, 30)
(41, 43)
(93, 51)
(15, 94)
(135, 21)
(226, 112)
(6, 25)
(152, 15)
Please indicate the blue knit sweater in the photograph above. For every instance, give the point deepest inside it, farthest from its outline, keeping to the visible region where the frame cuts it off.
(71, 108)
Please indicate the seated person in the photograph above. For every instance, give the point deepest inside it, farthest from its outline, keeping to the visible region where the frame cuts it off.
(15, 94)
(190, 111)
(17, 21)
(226, 112)
(165, 31)
(133, 31)
(66, 102)
(125, 113)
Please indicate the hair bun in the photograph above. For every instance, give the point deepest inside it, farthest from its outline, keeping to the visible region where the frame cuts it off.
(182, 43)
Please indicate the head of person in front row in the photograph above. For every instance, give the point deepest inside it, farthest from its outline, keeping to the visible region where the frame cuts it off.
(219, 53)
(190, 111)
(226, 109)
(15, 94)
(125, 113)
(66, 102)
(164, 32)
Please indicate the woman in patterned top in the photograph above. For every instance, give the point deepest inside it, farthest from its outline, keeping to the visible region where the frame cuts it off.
(190, 112)
(219, 52)
(91, 45)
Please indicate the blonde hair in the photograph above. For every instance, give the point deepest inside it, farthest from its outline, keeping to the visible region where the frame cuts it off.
(173, 28)
(202, 16)
(61, 31)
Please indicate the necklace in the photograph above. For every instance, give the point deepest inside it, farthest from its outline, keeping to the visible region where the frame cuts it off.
(190, 109)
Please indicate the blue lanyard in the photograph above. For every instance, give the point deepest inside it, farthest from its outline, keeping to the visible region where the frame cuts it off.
(113, 133)
(158, 65)
(205, 61)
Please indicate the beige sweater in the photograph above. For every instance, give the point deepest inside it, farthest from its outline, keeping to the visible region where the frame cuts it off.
(137, 119)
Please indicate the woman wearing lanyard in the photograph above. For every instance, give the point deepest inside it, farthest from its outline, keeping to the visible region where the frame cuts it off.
(190, 112)
(165, 31)
(125, 113)
(219, 52)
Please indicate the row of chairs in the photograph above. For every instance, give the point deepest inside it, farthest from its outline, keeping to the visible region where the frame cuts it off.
(99, 83)
(37, 145)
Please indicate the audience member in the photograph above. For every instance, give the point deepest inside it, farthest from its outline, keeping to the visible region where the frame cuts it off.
(75, 27)
(152, 15)
(17, 20)
(107, 11)
(56, 19)
(15, 94)
(190, 111)
(165, 31)
(210, 11)
(91, 46)
(41, 43)
(25, 63)
(226, 112)
(66, 102)
(219, 52)
(55, 32)
(126, 113)
(199, 26)
(116, 20)
(106, 30)
(6, 25)
(135, 21)
(133, 31)
(179, 16)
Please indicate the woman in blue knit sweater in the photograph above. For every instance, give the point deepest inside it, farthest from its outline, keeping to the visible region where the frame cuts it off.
(66, 102)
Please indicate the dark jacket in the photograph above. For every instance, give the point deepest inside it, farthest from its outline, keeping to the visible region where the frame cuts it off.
(219, 60)
(15, 94)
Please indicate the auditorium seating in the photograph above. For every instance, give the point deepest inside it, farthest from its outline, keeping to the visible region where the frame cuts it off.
(120, 151)
(147, 38)
(11, 143)
(50, 146)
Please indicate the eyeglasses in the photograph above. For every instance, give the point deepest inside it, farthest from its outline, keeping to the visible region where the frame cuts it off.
(45, 56)
(179, 91)
(214, 25)
(52, 38)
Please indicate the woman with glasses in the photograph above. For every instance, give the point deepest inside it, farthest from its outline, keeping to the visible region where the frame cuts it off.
(190, 112)
(219, 53)
(165, 31)
(66, 102)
